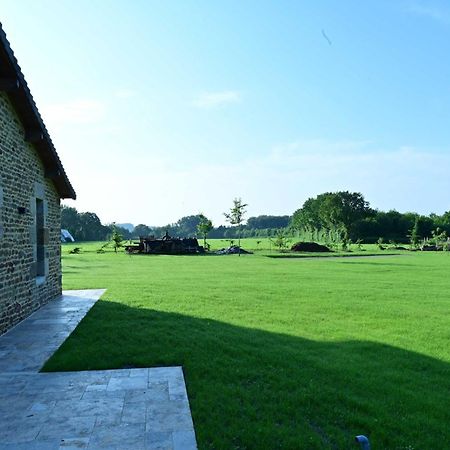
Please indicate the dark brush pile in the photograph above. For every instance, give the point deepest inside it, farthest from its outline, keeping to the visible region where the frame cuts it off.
(233, 250)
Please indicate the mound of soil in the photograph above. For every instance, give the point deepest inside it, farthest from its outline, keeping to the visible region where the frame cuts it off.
(312, 247)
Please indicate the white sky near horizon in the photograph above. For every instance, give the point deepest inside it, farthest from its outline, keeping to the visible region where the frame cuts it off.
(164, 109)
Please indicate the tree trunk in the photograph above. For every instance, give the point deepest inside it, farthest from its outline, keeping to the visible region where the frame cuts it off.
(239, 240)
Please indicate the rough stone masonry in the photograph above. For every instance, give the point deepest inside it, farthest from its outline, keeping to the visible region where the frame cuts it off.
(30, 263)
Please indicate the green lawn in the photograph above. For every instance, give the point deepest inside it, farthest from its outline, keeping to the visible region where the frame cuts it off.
(279, 352)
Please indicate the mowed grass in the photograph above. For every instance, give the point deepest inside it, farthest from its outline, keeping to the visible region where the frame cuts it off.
(279, 353)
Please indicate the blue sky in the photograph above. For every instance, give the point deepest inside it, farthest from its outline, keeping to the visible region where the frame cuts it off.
(164, 109)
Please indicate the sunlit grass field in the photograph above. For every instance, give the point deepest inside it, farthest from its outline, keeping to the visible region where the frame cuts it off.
(279, 352)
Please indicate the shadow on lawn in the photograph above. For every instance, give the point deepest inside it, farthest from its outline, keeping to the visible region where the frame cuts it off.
(250, 388)
(331, 256)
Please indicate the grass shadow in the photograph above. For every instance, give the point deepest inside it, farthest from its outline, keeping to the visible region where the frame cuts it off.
(331, 255)
(251, 388)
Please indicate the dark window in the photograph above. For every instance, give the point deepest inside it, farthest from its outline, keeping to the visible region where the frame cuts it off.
(40, 256)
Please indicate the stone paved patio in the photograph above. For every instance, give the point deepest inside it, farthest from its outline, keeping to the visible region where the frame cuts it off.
(107, 409)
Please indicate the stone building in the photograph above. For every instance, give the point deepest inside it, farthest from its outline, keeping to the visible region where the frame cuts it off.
(32, 182)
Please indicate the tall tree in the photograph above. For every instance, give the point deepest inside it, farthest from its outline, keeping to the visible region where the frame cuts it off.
(85, 226)
(307, 217)
(70, 219)
(187, 226)
(91, 227)
(236, 217)
(142, 230)
(332, 211)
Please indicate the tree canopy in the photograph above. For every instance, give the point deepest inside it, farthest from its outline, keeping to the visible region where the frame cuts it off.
(84, 226)
(339, 211)
(262, 222)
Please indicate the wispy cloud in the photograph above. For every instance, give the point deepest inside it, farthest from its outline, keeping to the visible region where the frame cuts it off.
(83, 111)
(209, 100)
(431, 11)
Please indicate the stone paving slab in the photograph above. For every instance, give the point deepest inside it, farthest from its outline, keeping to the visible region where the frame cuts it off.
(120, 409)
(29, 344)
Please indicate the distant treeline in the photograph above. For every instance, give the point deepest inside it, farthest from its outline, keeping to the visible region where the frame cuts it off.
(340, 216)
(260, 226)
(391, 226)
(86, 226)
(397, 227)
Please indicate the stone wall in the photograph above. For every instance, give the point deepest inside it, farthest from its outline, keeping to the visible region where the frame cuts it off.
(30, 262)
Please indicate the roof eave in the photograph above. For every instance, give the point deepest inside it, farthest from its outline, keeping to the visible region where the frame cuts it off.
(25, 107)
